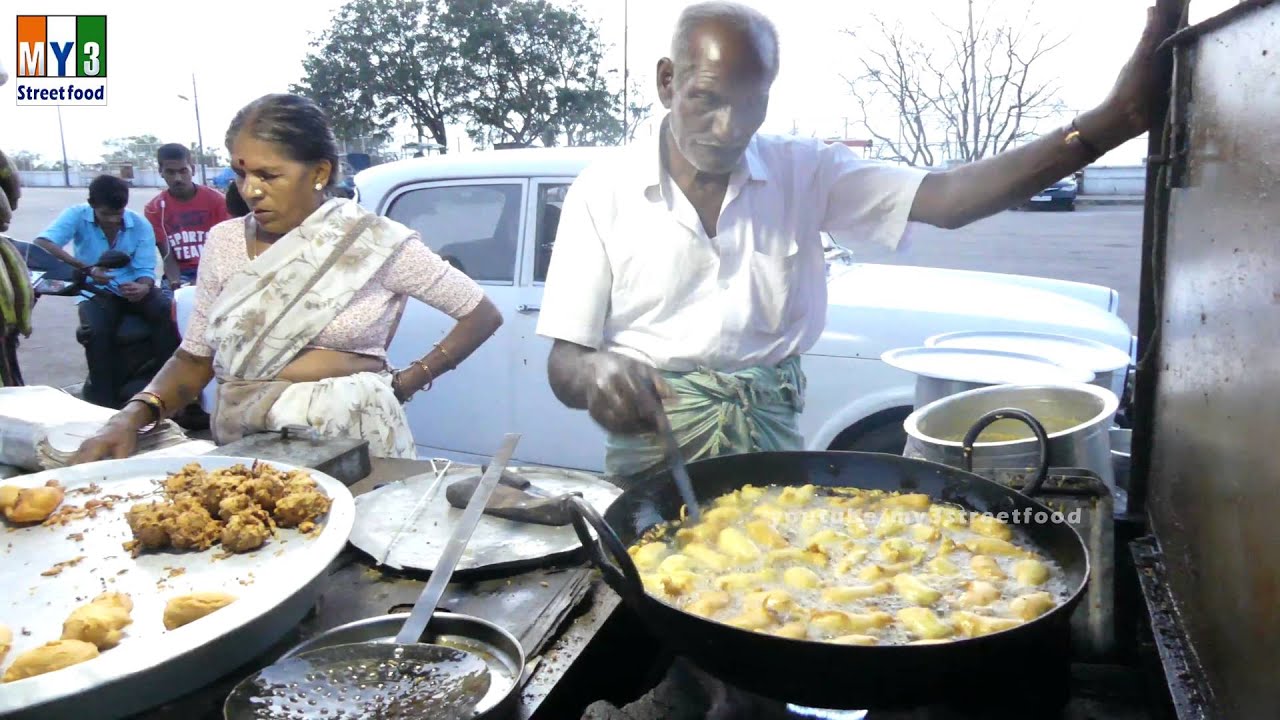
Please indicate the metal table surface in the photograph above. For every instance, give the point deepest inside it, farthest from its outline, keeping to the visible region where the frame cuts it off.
(354, 587)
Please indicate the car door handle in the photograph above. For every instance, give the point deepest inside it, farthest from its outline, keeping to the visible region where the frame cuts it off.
(527, 308)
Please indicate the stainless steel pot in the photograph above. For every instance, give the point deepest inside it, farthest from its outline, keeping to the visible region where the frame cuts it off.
(1077, 417)
(944, 371)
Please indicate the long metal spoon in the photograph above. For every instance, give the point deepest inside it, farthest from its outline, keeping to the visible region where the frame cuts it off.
(675, 460)
(425, 607)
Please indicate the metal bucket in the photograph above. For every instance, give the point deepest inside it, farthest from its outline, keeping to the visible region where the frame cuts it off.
(1077, 417)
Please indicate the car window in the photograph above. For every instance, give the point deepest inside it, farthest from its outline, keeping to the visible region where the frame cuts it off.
(474, 227)
(550, 201)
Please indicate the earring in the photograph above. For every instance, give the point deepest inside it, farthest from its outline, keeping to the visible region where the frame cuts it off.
(319, 187)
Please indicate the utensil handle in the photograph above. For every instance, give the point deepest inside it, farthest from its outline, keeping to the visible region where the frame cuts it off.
(425, 607)
(675, 461)
(1042, 441)
(619, 572)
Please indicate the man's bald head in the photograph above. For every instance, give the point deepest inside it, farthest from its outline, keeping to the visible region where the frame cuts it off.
(732, 24)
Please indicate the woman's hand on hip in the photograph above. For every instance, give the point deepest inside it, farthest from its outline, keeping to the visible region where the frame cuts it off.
(624, 395)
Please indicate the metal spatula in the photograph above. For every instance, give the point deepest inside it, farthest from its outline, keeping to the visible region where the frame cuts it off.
(405, 678)
(675, 459)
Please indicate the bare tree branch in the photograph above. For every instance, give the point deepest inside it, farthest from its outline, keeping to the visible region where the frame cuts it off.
(977, 90)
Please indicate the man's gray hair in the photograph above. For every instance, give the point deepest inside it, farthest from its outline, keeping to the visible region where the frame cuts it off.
(746, 19)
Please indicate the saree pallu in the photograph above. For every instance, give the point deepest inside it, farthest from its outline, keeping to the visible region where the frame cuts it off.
(715, 414)
(269, 312)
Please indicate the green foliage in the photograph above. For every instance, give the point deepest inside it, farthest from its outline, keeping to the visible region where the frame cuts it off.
(515, 71)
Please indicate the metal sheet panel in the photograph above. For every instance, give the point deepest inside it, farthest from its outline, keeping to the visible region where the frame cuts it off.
(1214, 482)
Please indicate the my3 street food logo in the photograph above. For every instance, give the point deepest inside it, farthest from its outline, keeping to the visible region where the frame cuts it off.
(62, 60)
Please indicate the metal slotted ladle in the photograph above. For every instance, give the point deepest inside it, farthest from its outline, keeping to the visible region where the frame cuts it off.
(400, 679)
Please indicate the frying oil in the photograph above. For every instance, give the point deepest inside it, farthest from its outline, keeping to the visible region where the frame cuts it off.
(867, 537)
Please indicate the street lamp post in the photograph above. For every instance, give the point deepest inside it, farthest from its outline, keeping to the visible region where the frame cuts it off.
(195, 100)
(66, 173)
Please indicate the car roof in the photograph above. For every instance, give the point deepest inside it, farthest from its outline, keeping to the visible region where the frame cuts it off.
(375, 182)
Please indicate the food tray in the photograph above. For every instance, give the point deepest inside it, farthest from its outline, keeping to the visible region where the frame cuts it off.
(275, 585)
(384, 526)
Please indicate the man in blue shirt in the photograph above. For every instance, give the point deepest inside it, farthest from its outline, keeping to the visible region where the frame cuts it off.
(105, 223)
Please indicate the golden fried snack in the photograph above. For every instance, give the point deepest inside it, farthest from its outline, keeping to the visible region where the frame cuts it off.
(51, 656)
(188, 608)
(8, 496)
(239, 507)
(301, 506)
(192, 527)
(101, 622)
(147, 523)
(32, 505)
(247, 530)
(6, 641)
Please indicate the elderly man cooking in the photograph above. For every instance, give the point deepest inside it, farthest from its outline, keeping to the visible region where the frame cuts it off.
(692, 270)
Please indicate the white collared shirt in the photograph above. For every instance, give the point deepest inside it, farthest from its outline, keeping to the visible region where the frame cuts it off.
(634, 272)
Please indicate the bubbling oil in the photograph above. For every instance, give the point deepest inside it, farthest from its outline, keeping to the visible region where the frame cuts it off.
(847, 538)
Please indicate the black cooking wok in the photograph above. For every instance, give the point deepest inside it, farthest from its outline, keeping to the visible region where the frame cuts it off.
(1030, 661)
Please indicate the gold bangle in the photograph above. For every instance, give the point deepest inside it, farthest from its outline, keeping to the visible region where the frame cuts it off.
(448, 359)
(156, 402)
(431, 375)
(1073, 135)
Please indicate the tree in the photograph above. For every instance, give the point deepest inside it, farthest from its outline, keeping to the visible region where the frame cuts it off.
(385, 60)
(976, 92)
(534, 74)
(24, 160)
(133, 150)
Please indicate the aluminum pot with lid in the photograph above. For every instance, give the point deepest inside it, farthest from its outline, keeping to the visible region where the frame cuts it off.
(1108, 364)
(941, 372)
(1076, 416)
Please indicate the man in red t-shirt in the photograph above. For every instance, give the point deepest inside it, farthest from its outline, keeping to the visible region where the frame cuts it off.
(182, 214)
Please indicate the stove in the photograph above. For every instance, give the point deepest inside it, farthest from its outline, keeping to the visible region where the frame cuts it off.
(686, 693)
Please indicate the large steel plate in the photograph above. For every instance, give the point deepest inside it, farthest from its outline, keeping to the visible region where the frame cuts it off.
(387, 528)
(274, 585)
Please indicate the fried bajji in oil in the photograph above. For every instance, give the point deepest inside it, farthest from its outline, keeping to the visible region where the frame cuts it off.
(239, 507)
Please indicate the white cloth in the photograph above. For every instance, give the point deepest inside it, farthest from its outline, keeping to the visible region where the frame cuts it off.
(634, 272)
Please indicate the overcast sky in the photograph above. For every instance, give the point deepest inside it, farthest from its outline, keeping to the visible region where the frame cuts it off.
(241, 49)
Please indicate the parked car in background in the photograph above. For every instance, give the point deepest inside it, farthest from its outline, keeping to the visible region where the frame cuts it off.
(495, 215)
(1058, 196)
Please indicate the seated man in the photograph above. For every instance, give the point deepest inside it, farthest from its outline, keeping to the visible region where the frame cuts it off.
(101, 224)
(182, 214)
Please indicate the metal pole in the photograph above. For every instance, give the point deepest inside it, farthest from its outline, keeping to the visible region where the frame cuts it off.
(66, 173)
(195, 100)
(626, 22)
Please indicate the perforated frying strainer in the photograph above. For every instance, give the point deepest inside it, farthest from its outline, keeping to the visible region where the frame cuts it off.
(401, 679)
(364, 680)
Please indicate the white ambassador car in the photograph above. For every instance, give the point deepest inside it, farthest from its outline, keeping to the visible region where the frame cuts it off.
(494, 215)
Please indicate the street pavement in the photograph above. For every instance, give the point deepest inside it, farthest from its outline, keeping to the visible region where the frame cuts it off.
(1101, 245)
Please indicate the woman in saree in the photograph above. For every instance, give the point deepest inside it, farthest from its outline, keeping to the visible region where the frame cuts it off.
(297, 300)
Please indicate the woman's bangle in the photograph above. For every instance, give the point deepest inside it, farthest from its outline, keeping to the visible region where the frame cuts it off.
(448, 359)
(431, 375)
